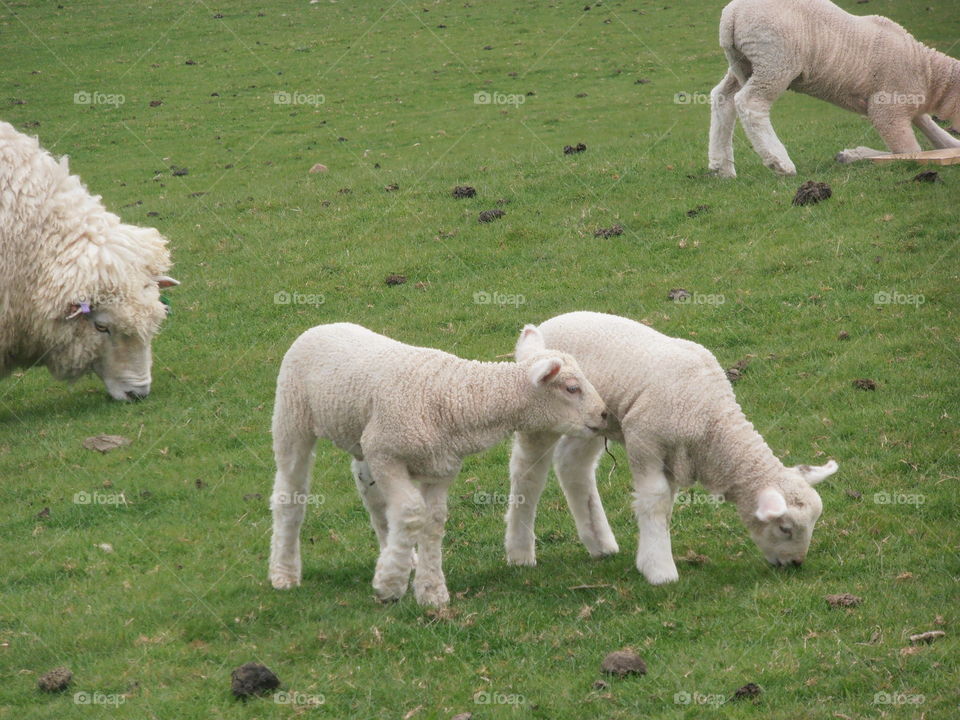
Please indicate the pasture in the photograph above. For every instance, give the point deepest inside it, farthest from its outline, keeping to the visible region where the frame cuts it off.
(144, 569)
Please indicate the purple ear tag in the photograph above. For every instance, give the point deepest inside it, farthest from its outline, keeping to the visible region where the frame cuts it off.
(85, 308)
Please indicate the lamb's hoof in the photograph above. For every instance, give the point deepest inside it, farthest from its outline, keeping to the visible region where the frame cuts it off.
(523, 558)
(605, 551)
(723, 171)
(780, 167)
(657, 574)
(851, 155)
(431, 595)
(845, 156)
(390, 590)
(284, 581)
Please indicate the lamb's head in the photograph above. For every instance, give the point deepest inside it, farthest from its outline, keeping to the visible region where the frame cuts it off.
(783, 514)
(564, 400)
(114, 331)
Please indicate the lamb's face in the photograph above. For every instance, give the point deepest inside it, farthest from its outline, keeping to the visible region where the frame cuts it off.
(782, 523)
(566, 403)
(122, 333)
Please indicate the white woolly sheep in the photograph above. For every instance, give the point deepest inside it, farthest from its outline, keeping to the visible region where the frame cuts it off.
(79, 290)
(673, 408)
(869, 65)
(408, 416)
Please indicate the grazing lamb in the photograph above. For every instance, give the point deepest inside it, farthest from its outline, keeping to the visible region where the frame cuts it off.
(869, 65)
(672, 406)
(79, 290)
(408, 416)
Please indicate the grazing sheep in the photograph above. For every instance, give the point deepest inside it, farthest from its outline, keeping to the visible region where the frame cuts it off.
(869, 65)
(672, 406)
(79, 290)
(408, 416)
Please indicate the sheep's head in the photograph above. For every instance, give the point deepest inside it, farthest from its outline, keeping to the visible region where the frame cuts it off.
(566, 402)
(118, 328)
(782, 517)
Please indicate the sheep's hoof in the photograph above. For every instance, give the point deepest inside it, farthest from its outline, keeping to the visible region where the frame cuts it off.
(389, 591)
(431, 596)
(724, 171)
(659, 575)
(782, 168)
(283, 581)
(523, 558)
(605, 550)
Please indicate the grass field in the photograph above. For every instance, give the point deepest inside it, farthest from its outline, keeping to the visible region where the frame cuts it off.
(247, 97)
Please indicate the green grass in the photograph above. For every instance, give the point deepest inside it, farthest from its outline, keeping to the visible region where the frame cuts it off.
(183, 598)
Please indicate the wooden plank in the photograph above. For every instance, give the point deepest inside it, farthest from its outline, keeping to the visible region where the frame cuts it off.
(944, 156)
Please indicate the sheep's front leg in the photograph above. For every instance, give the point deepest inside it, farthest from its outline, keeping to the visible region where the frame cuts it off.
(529, 465)
(575, 461)
(935, 134)
(405, 511)
(723, 119)
(429, 584)
(653, 505)
(374, 502)
(294, 453)
(753, 103)
(893, 126)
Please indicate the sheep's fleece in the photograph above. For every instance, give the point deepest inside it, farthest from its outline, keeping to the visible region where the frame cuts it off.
(867, 64)
(408, 416)
(79, 290)
(671, 405)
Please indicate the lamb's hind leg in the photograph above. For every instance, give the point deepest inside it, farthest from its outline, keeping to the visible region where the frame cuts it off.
(429, 584)
(529, 466)
(753, 103)
(653, 505)
(575, 462)
(723, 119)
(294, 452)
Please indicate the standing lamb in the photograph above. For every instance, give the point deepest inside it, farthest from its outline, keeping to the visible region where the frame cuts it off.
(869, 65)
(79, 290)
(673, 408)
(408, 416)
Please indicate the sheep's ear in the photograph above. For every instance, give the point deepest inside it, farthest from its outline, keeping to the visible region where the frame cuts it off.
(815, 473)
(529, 342)
(543, 371)
(770, 505)
(165, 281)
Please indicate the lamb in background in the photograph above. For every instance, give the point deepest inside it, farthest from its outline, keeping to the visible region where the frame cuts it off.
(870, 65)
(673, 408)
(408, 416)
(79, 290)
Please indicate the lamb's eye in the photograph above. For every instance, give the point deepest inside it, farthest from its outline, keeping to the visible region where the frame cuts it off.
(573, 389)
(99, 327)
(788, 532)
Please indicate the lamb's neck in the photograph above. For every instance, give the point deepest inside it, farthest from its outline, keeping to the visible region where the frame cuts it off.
(734, 460)
(483, 403)
(945, 86)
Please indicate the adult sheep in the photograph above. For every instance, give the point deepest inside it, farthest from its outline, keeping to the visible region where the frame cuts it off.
(79, 290)
(870, 65)
(408, 416)
(673, 408)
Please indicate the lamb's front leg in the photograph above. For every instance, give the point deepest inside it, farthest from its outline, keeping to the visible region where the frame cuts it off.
(405, 513)
(935, 134)
(895, 129)
(529, 465)
(653, 505)
(723, 119)
(374, 502)
(575, 461)
(429, 584)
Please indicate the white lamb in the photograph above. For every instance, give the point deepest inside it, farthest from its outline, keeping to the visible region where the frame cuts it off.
(673, 408)
(408, 416)
(870, 65)
(79, 290)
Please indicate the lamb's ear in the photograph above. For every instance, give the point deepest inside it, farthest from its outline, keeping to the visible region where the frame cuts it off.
(165, 281)
(770, 505)
(815, 473)
(543, 371)
(529, 342)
